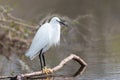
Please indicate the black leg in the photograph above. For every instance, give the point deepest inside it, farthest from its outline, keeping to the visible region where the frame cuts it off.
(43, 60)
(40, 59)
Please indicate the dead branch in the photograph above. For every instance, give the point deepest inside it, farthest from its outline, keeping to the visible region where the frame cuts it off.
(5, 14)
(58, 67)
(14, 32)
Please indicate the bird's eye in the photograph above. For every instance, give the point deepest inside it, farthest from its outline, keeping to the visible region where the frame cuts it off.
(57, 21)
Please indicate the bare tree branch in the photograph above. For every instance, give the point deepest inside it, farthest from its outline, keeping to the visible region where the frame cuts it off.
(14, 30)
(58, 67)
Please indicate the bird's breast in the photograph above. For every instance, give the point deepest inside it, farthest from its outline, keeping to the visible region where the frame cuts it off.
(55, 36)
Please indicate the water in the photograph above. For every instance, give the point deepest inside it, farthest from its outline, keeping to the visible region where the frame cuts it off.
(94, 35)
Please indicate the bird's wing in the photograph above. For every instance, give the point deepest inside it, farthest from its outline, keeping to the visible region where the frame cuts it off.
(41, 40)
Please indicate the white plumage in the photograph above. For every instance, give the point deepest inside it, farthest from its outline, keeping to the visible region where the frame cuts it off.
(47, 35)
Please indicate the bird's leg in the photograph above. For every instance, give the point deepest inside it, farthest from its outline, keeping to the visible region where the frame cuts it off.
(40, 58)
(44, 62)
(45, 69)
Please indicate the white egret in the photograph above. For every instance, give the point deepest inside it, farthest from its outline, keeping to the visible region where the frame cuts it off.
(47, 35)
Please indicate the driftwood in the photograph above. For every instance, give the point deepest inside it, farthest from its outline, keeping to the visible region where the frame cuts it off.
(58, 67)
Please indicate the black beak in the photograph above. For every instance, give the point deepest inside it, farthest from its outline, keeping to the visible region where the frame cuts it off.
(63, 23)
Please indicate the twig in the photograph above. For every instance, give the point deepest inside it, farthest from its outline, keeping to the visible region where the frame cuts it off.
(9, 28)
(58, 67)
(16, 20)
(19, 22)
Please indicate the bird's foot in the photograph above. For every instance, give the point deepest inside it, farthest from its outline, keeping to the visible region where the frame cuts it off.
(47, 70)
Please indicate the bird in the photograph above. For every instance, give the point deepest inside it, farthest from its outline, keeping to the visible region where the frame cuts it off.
(47, 35)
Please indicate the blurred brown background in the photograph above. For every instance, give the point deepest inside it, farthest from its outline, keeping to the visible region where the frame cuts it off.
(94, 35)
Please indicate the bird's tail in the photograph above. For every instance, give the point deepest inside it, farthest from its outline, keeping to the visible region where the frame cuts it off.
(30, 55)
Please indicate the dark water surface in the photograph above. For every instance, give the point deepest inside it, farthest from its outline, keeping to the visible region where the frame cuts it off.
(94, 35)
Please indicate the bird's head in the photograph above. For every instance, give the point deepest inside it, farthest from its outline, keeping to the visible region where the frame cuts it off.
(57, 20)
